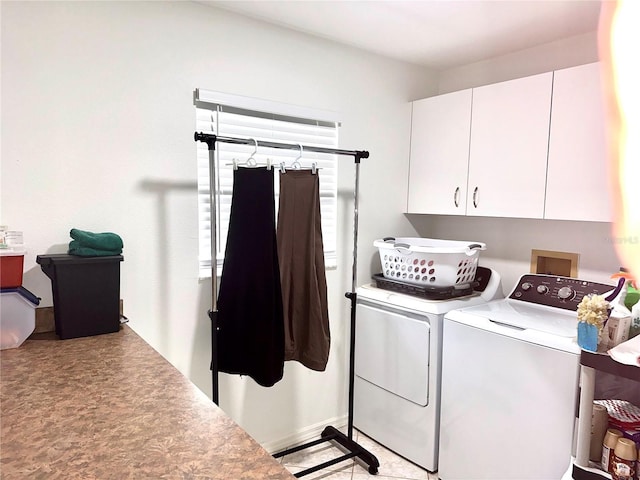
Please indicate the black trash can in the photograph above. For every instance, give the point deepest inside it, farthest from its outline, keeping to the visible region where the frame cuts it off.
(86, 293)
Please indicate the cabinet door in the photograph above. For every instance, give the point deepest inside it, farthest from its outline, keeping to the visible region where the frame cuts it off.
(577, 179)
(508, 152)
(439, 157)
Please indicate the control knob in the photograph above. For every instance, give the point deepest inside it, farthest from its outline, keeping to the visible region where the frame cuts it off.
(566, 293)
(542, 289)
(526, 286)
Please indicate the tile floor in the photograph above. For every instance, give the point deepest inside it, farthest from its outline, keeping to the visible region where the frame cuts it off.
(392, 466)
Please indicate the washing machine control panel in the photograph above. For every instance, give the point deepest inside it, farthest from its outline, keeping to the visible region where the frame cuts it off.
(556, 291)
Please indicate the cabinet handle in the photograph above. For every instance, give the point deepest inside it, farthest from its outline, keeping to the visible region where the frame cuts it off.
(475, 197)
(456, 196)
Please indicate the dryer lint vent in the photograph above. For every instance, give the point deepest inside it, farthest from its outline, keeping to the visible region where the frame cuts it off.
(554, 263)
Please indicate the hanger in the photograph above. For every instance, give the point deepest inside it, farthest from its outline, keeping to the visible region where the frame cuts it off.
(251, 161)
(296, 164)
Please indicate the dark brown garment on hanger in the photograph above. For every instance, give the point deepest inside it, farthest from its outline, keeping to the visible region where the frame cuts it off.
(251, 335)
(302, 272)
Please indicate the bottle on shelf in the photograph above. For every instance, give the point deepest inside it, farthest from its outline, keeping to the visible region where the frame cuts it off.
(599, 422)
(608, 446)
(625, 455)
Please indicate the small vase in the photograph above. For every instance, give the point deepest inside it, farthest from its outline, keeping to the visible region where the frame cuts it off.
(588, 336)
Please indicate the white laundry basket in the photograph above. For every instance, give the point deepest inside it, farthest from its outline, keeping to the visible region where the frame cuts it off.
(427, 261)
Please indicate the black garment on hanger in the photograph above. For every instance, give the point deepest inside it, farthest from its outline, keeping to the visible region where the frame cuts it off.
(250, 317)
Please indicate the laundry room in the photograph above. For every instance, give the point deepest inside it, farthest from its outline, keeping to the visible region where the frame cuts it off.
(100, 104)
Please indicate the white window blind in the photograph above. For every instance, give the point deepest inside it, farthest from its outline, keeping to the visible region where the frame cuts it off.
(271, 122)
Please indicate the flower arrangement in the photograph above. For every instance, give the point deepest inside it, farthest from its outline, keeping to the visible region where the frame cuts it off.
(593, 309)
(593, 312)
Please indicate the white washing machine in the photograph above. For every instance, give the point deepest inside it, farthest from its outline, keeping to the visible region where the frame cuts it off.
(397, 363)
(510, 382)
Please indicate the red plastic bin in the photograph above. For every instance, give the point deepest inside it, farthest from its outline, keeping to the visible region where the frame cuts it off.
(11, 267)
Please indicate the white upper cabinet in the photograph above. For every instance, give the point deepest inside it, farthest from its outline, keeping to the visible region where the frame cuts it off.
(508, 150)
(533, 147)
(577, 179)
(439, 157)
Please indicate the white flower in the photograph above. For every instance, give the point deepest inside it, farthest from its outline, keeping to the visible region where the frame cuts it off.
(593, 309)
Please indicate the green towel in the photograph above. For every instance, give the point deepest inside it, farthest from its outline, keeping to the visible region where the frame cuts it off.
(89, 244)
(79, 250)
(110, 242)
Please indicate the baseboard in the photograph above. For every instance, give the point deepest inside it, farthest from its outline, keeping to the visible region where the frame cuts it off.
(307, 434)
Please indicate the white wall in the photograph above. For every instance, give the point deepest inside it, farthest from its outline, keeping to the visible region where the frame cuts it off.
(97, 134)
(568, 52)
(510, 241)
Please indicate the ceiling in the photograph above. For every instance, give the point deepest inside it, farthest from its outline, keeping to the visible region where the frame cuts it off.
(439, 34)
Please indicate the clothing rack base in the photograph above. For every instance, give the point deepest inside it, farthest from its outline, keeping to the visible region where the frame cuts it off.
(333, 434)
(328, 434)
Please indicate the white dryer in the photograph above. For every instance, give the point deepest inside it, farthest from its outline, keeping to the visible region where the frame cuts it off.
(398, 351)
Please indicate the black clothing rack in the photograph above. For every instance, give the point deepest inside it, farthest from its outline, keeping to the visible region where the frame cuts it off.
(329, 433)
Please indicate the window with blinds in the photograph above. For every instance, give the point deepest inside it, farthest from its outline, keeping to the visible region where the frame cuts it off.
(235, 116)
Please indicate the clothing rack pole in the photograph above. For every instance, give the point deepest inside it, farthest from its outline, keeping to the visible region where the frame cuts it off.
(352, 296)
(213, 313)
(329, 433)
(209, 137)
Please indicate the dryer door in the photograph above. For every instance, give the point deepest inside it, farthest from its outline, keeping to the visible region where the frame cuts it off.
(392, 351)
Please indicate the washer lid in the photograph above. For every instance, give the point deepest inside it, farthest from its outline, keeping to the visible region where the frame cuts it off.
(525, 316)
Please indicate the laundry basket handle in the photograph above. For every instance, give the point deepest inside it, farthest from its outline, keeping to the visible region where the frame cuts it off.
(403, 248)
(389, 239)
(472, 247)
